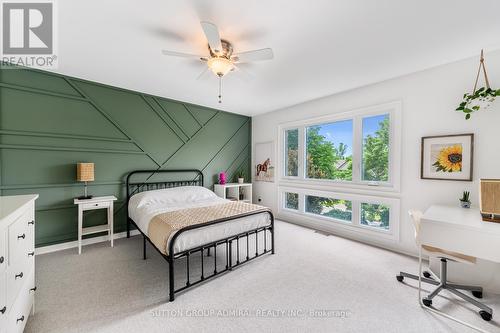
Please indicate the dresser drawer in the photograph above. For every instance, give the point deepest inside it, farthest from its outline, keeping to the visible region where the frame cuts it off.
(19, 238)
(3, 250)
(96, 205)
(16, 276)
(18, 315)
(3, 302)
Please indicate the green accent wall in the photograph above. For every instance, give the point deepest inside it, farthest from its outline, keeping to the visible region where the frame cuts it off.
(49, 122)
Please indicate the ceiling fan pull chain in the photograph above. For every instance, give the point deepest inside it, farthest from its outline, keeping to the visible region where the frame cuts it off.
(220, 89)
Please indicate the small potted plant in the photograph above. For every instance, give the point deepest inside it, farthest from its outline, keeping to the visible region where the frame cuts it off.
(465, 200)
(241, 177)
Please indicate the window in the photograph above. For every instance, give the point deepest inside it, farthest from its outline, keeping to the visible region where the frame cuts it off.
(334, 208)
(292, 152)
(329, 151)
(375, 159)
(341, 171)
(357, 149)
(292, 200)
(375, 215)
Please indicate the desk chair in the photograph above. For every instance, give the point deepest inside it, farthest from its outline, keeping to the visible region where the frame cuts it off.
(445, 256)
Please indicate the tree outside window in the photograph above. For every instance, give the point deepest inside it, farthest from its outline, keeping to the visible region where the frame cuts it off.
(376, 136)
(329, 151)
(292, 152)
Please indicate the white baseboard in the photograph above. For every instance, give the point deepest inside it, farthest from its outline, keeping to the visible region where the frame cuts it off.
(87, 241)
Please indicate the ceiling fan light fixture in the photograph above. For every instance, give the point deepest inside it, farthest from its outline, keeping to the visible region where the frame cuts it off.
(220, 66)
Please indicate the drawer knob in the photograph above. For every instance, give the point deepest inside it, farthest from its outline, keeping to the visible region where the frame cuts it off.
(20, 275)
(3, 310)
(23, 236)
(96, 205)
(20, 319)
(33, 289)
(1, 260)
(31, 222)
(31, 254)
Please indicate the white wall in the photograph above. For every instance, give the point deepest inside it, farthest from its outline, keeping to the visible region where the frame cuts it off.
(429, 99)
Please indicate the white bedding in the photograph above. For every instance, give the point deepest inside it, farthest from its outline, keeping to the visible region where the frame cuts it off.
(145, 205)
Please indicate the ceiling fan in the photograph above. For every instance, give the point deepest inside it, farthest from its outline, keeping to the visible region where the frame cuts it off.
(221, 59)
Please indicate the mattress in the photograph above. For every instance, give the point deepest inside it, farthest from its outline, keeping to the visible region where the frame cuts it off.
(146, 205)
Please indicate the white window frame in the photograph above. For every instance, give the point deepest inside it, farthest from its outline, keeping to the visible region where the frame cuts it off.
(357, 191)
(393, 185)
(330, 223)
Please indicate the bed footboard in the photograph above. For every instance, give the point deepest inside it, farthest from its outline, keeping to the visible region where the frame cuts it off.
(234, 254)
(236, 248)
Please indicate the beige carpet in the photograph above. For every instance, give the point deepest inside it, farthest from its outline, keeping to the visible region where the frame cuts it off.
(314, 283)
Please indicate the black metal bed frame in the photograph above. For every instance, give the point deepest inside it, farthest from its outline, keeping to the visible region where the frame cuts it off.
(133, 188)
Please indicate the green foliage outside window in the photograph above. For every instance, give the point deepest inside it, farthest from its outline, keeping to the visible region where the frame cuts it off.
(375, 215)
(323, 157)
(292, 200)
(376, 154)
(292, 150)
(335, 208)
(327, 160)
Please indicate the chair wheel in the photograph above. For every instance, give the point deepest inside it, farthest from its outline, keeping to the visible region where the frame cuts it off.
(485, 315)
(427, 302)
(427, 274)
(477, 294)
(400, 278)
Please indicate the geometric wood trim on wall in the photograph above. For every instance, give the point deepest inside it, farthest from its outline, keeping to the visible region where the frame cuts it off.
(49, 122)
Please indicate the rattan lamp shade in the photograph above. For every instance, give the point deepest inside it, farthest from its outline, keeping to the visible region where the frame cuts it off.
(85, 172)
(489, 199)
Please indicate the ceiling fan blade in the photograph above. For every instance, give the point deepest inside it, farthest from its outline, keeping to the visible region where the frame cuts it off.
(256, 55)
(243, 74)
(202, 74)
(182, 55)
(213, 37)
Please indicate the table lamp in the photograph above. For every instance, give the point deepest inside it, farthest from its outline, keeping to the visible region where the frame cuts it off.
(489, 199)
(85, 173)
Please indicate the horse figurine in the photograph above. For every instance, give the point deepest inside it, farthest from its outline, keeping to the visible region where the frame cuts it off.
(263, 167)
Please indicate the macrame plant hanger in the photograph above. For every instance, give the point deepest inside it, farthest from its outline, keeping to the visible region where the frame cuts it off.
(481, 65)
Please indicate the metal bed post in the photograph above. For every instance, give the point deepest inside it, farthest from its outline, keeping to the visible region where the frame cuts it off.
(272, 234)
(171, 278)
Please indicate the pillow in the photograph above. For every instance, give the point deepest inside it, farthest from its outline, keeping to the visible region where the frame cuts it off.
(172, 196)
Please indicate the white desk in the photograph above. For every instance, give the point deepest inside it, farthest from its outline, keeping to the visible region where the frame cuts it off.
(459, 230)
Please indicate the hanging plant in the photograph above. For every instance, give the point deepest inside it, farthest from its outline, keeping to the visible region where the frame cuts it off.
(480, 98)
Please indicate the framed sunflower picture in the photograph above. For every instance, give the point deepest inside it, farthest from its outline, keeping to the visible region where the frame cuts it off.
(447, 157)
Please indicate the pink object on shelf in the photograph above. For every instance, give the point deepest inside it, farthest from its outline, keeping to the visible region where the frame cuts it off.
(222, 178)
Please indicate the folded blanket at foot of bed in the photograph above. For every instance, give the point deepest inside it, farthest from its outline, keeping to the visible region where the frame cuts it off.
(164, 225)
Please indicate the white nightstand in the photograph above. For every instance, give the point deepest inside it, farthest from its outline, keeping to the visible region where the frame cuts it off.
(92, 204)
(232, 191)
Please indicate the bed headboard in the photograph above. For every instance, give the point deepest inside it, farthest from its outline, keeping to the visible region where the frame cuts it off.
(148, 180)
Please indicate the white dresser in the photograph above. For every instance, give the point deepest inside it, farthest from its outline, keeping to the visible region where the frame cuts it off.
(17, 261)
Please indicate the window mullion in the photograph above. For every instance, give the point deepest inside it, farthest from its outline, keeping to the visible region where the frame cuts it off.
(302, 153)
(357, 149)
(302, 203)
(356, 212)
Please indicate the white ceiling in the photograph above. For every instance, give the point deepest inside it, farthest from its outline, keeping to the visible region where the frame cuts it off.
(321, 47)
